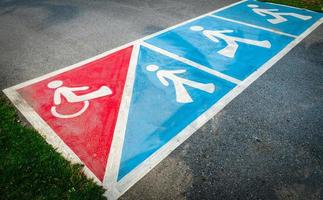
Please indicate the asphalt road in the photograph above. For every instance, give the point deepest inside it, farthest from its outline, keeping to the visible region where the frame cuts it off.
(266, 144)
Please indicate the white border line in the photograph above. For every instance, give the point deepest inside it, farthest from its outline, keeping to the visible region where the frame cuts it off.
(141, 170)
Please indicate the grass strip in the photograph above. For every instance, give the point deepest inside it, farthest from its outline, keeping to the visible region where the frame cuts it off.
(315, 5)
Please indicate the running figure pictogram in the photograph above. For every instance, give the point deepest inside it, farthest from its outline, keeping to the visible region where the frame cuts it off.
(278, 16)
(232, 41)
(69, 94)
(182, 96)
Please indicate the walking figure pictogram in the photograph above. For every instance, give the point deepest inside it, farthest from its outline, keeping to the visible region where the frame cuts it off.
(182, 96)
(232, 45)
(69, 94)
(278, 16)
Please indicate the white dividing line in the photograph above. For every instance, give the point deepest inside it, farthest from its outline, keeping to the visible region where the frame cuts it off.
(113, 163)
(254, 26)
(46, 132)
(191, 63)
(141, 170)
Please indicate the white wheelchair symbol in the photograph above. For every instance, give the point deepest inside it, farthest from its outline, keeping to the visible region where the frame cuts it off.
(232, 45)
(278, 16)
(71, 97)
(182, 96)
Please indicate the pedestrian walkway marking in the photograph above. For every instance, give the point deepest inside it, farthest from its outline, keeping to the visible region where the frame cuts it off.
(281, 18)
(182, 96)
(174, 97)
(254, 26)
(191, 63)
(232, 49)
(122, 112)
(231, 42)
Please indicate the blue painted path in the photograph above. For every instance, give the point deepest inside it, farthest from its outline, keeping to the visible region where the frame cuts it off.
(195, 46)
(169, 93)
(155, 116)
(295, 26)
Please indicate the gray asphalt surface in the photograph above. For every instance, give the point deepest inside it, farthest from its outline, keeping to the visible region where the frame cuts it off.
(266, 144)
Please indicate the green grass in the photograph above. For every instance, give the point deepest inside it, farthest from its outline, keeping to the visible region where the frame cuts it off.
(315, 5)
(32, 169)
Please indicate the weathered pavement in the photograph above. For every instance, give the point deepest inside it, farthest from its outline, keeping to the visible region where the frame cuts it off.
(266, 144)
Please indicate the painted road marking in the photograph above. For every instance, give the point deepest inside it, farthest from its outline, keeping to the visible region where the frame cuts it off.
(285, 19)
(231, 46)
(254, 26)
(89, 134)
(69, 93)
(231, 55)
(191, 63)
(278, 17)
(180, 83)
(122, 112)
(161, 112)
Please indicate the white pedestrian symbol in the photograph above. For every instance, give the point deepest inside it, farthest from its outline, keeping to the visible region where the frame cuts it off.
(69, 94)
(232, 45)
(278, 16)
(182, 96)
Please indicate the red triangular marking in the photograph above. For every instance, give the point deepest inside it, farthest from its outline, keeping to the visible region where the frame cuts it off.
(90, 134)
